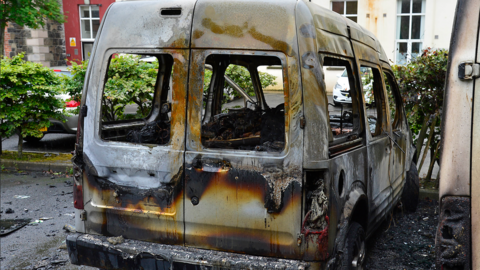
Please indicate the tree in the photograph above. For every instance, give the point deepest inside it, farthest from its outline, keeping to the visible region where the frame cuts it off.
(241, 76)
(421, 84)
(27, 98)
(31, 13)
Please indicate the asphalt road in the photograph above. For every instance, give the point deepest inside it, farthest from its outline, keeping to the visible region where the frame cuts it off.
(40, 244)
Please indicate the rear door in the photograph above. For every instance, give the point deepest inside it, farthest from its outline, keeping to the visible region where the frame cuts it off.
(134, 150)
(243, 160)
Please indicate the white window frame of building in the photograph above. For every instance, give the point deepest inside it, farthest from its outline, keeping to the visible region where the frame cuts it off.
(87, 40)
(344, 14)
(409, 41)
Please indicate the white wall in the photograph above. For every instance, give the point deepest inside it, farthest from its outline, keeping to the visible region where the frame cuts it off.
(382, 21)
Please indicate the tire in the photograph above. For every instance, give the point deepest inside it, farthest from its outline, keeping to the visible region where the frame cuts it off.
(337, 104)
(411, 189)
(32, 139)
(354, 251)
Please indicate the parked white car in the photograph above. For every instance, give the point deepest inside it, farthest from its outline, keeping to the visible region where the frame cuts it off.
(341, 90)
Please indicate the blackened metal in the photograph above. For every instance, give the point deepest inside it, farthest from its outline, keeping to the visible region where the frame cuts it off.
(96, 251)
(453, 246)
(84, 110)
(157, 132)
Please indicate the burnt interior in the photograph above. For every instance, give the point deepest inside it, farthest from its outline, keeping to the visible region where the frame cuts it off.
(258, 124)
(125, 120)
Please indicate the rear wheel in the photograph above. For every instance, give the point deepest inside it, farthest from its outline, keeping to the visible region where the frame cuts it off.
(411, 189)
(354, 251)
(32, 139)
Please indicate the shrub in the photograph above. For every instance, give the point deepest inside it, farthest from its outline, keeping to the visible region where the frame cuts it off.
(27, 98)
(421, 84)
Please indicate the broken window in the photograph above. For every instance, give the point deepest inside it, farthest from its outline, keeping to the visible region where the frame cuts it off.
(136, 100)
(239, 112)
(393, 101)
(343, 105)
(373, 99)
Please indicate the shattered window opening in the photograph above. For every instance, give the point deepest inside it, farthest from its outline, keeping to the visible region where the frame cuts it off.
(137, 101)
(373, 99)
(393, 101)
(343, 110)
(238, 112)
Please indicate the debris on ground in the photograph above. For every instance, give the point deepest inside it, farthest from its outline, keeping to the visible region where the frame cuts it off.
(7, 226)
(405, 240)
(35, 223)
(116, 240)
(9, 211)
(69, 228)
(21, 197)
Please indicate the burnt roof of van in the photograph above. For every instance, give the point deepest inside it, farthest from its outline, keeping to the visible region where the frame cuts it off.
(226, 24)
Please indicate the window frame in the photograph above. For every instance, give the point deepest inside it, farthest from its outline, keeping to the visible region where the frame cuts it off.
(409, 41)
(381, 90)
(397, 122)
(84, 40)
(345, 8)
(354, 139)
(286, 92)
(155, 99)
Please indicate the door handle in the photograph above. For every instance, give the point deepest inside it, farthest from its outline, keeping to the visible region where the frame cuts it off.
(394, 142)
(212, 165)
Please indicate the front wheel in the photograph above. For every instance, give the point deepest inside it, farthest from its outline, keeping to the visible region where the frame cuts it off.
(411, 189)
(354, 251)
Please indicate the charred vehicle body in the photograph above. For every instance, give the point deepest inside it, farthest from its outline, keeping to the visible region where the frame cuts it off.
(282, 180)
(457, 242)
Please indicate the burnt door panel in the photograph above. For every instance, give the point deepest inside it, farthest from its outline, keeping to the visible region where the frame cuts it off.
(379, 145)
(133, 184)
(399, 136)
(243, 184)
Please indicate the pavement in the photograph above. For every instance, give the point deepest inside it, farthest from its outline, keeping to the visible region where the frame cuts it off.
(45, 200)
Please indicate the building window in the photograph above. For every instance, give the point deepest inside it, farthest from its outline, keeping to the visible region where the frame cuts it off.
(346, 8)
(89, 24)
(410, 29)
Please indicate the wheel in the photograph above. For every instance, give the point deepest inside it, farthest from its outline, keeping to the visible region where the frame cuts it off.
(354, 251)
(411, 189)
(32, 139)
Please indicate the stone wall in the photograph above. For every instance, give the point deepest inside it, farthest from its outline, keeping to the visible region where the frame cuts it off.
(56, 43)
(15, 39)
(43, 45)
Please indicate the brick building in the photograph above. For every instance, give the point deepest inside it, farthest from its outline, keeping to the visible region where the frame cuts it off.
(56, 44)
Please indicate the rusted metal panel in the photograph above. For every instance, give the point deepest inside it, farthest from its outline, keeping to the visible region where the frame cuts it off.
(252, 205)
(456, 142)
(453, 247)
(268, 25)
(317, 130)
(135, 190)
(146, 27)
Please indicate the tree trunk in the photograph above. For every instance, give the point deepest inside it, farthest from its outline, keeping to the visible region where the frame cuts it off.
(432, 162)
(430, 136)
(20, 143)
(421, 137)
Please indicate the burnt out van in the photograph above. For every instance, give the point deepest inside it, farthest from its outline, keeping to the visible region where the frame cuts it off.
(457, 242)
(192, 178)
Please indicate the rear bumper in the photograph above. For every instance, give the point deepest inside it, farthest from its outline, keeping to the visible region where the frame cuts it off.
(96, 251)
